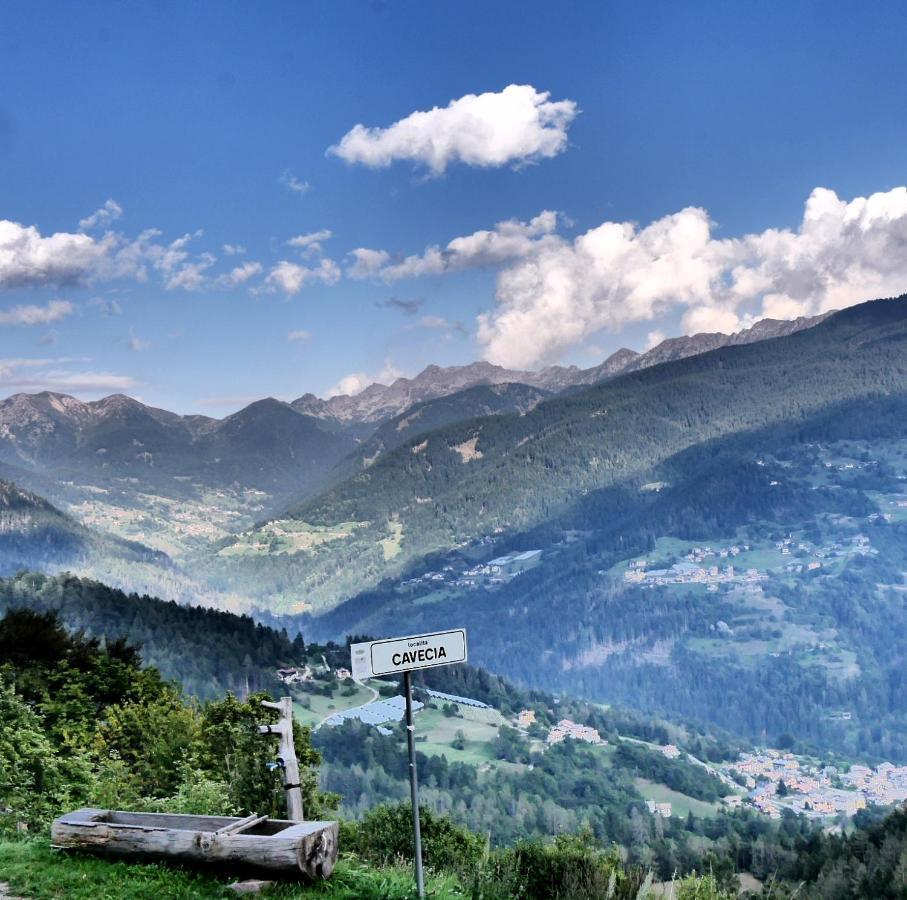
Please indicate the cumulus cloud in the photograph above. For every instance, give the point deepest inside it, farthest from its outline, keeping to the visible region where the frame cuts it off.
(37, 315)
(515, 126)
(233, 249)
(310, 244)
(291, 277)
(357, 382)
(843, 252)
(367, 263)
(101, 218)
(30, 259)
(505, 242)
(176, 264)
(27, 258)
(653, 339)
(240, 274)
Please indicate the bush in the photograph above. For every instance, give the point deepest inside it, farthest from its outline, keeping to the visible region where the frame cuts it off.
(385, 837)
(31, 780)
(572, 867)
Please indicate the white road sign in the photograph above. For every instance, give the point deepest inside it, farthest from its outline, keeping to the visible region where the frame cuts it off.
(420, 651)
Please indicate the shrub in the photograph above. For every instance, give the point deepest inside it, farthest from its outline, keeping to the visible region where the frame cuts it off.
(571, 868)
(385, 837)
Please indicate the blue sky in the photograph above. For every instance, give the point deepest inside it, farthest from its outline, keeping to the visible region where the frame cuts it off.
(673, 146)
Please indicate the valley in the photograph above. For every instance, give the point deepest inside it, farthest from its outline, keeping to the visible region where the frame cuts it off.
(706, 524)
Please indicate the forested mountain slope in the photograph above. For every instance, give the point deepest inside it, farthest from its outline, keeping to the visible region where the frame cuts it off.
(267, 445)
(429, 415)
(35, 534)
(207, 651)
(756, 581)
(504, 474)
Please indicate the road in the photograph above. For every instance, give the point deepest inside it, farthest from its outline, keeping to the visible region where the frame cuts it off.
(373, 698)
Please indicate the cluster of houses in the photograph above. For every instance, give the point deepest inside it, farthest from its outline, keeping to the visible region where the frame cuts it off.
(702, 565)
(778, 780)
(567, 728)
(659, 809)
(688, 573)
(295, 675)
(300, 674)
(486, 574)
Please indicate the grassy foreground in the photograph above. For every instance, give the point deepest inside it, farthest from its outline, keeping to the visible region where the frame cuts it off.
(35, 871)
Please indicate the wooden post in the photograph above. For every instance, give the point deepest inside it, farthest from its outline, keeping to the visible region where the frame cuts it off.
(413, 783)
(290, 765)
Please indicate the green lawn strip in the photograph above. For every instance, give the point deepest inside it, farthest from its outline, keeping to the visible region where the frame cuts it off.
(441, 731)
(36, 872)
(321, 706)
(681, 804)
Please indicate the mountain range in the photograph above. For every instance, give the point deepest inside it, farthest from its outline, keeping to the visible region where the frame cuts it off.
(287, 450)
(588, 518)
(380, 402)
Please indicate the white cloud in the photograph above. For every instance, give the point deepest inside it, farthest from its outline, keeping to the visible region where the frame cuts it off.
(109, 212)
(515, 126)
(654, 338)
(291, 277)
(173, 261)
(29, 259)
(300, 335)
(367, 263)
(240, 274)
(37, 315)
(33, 375)
(293, 184)
(554, 298)
(505, 242)
(88, 381)
(356, 382)
(310, 244)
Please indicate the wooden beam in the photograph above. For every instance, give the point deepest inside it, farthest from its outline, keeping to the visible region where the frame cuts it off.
(241, 825)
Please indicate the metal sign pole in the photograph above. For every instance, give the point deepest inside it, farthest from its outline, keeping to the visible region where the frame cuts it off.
(413, 781)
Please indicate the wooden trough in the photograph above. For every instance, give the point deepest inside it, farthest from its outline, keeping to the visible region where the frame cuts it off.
(276, 846)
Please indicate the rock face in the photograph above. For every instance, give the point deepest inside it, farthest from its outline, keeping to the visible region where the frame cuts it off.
(692, 345)
(379, 402)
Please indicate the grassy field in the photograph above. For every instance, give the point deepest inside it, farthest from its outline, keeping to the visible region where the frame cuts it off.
(391, 545)
(34, 871)
(681, 804)
(319, 706)
(287, 536)
(441, 731)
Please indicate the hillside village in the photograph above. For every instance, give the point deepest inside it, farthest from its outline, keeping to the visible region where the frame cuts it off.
(768, 780)
(777, 781)
(482, 574)
(713, 566)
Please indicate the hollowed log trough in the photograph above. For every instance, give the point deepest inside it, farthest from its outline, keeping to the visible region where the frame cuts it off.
(275, 846)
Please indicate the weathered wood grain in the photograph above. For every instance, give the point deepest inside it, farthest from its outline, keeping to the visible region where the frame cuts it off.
(272, 845)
